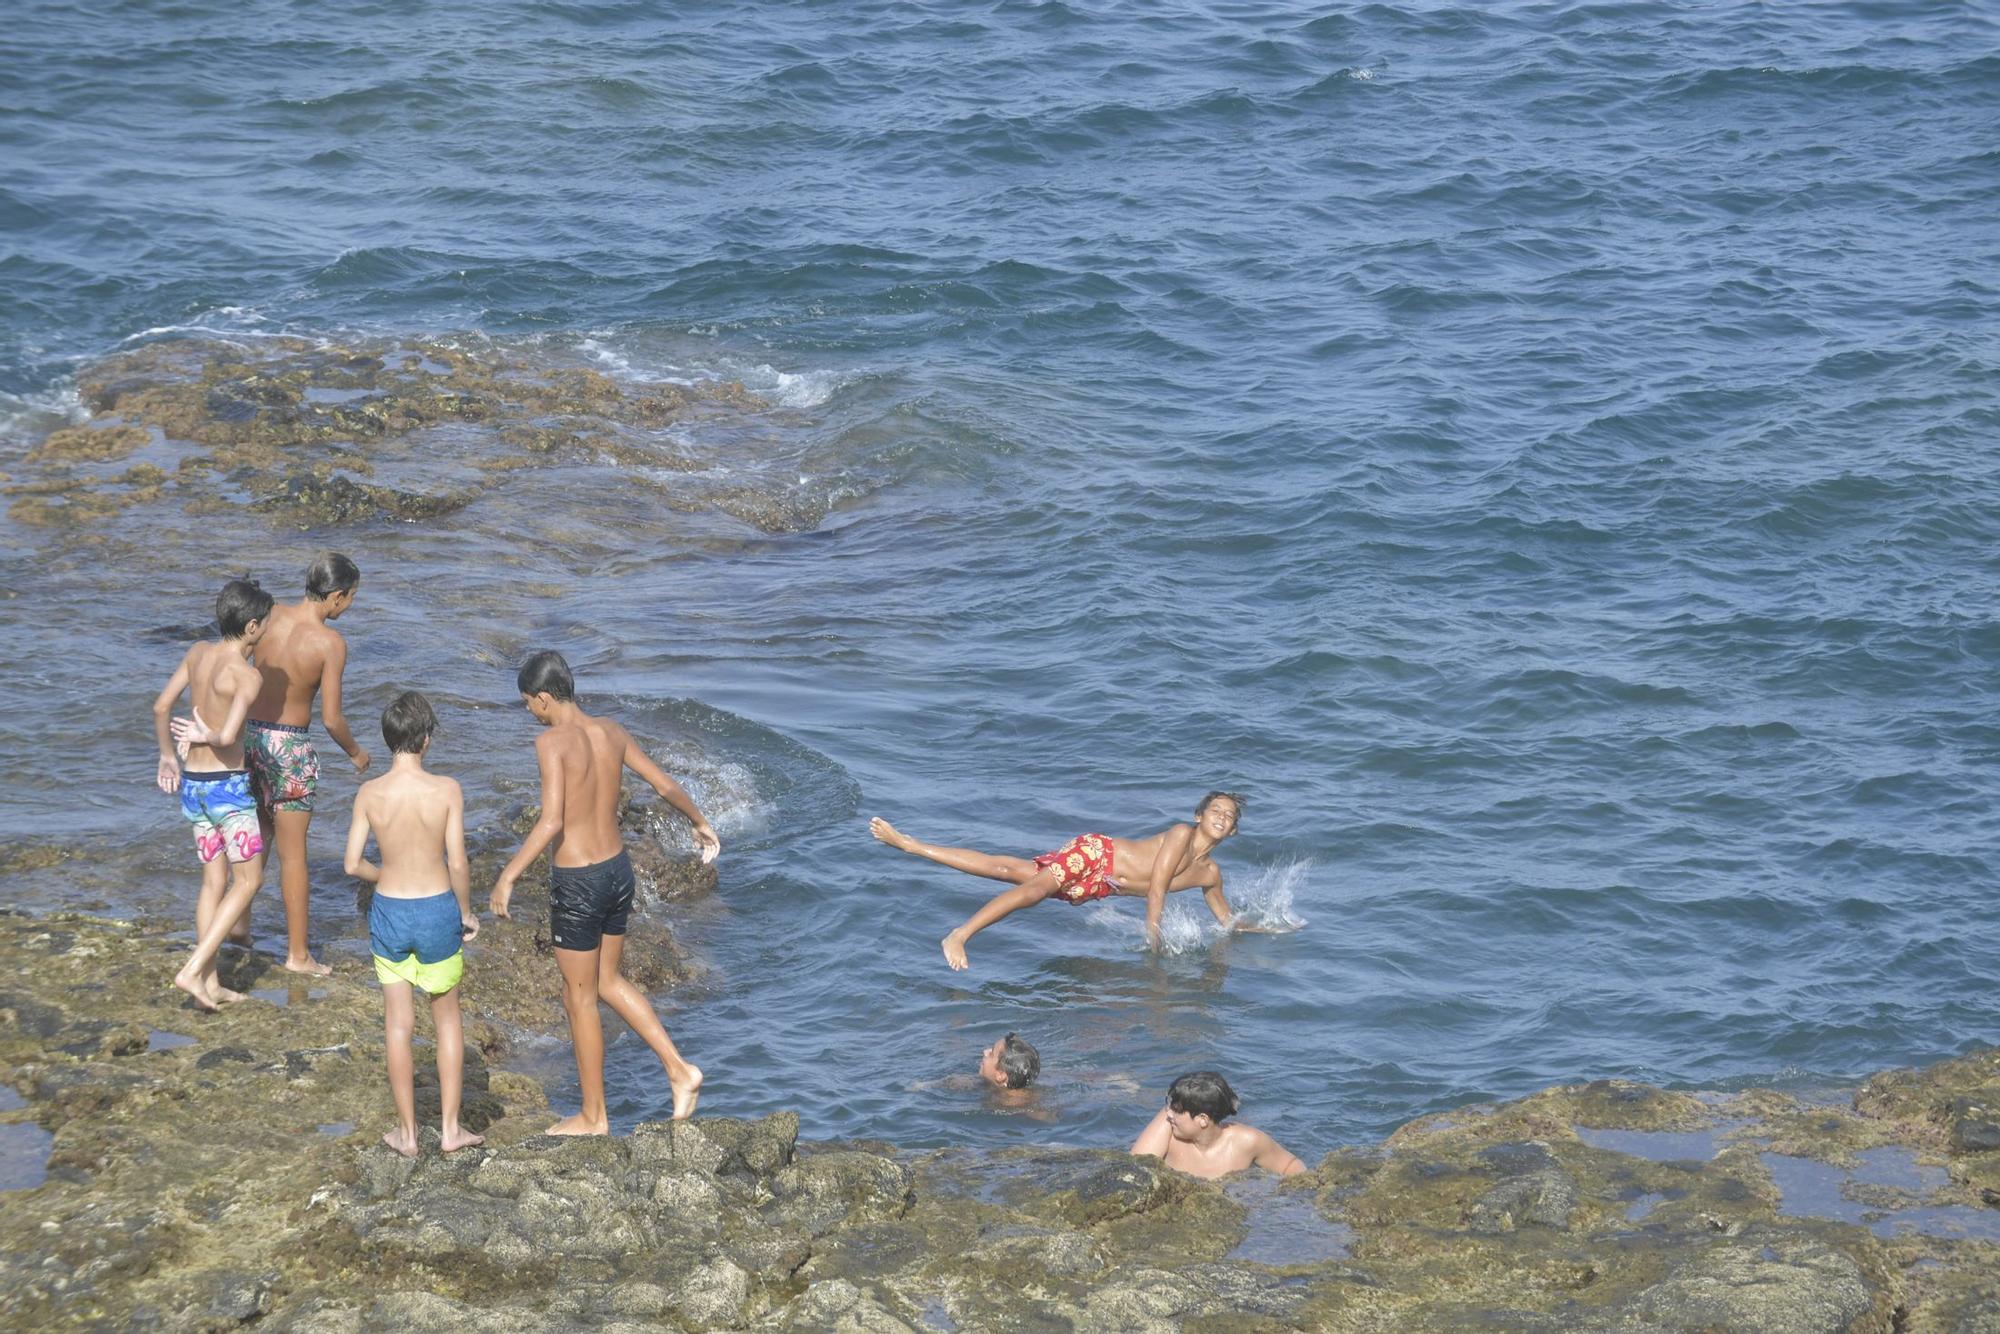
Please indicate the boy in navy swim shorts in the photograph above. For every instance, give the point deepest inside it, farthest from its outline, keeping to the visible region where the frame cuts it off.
(421, 912)
(215, 790)
(583, 760)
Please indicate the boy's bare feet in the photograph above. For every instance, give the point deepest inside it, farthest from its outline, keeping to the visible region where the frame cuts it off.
(222, 995)
(687, 1091)
(576, 1125)
(954, 951)
(195, 986)
(308, 965)
(454, 1139)
(401, 1143)
(889, 834)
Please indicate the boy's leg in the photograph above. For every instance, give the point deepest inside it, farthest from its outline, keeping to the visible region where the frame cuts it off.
(989, 865)
(214, 885)
(631, 1005)
(244, 878)
(451, 1070)
(399, 1021)
(294, 879)
(586, 1035)
(1025, 895)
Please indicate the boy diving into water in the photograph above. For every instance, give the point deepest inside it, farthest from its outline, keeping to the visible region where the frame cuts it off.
(215, 790)
(1093, 866)
(582, 760)
(420, 913)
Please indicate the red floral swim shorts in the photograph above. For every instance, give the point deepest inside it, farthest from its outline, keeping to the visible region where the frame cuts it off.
(1083, 868)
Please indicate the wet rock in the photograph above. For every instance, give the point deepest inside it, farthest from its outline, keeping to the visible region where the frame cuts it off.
(1975, 1123)
(241, 1297)
(837, 1306)
(1545, 1198)
(1765, 1280)
(326, 501)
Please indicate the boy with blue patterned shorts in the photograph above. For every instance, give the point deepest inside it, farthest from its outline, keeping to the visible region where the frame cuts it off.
(421, 912)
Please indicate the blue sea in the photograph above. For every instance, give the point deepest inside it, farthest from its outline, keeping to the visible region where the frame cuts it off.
(1541, 453)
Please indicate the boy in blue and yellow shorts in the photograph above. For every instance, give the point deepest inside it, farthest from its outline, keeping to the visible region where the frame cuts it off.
(421, 912)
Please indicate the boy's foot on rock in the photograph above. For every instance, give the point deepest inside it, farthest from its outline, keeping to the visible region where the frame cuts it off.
(308, 965)
(222, 995)
(454, 1139)
(576, 1125)
(192, 985)
(401, 1143)
(954, 951)
(889, 834)
(687, 1091)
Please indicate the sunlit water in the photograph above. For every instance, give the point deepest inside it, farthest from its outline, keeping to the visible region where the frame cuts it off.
(1542, 453)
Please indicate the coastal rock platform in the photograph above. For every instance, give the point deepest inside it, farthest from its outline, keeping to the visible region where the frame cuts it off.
(174, 1170)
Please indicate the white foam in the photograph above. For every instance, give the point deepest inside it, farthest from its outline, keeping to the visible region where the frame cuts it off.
(30, 416)
(1263, 903)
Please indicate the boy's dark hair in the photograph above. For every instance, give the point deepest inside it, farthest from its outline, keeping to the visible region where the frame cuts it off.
(240, 602)
(1019, 1061)
(330, 573)
(1203, 1093)
(1201, 807)
(408, 723)
(546, 671)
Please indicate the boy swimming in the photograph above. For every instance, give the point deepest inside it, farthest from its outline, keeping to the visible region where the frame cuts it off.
(215, 790)
(301, 656)
(1093, 866)
(420, 914)
(582, 760)
(1188, 1134)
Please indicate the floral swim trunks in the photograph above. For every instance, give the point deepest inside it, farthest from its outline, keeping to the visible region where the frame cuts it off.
(1083, 868)
(284, 767)
(223, 813)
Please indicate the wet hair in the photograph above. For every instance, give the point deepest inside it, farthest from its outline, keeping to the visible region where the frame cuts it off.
(1201, 807)
(546, 672)
(330, 573)
(1019, 1061)
(1203, 1093)
(408, 723)
(240, 602)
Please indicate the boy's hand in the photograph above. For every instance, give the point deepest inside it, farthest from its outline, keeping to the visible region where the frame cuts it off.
(360, 760)
(468, 926)
(503, 893)
(169, 774)
(705, 839)
(192, 731)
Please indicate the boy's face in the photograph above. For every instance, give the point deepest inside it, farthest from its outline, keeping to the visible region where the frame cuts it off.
(1218, 818)
(255, 631)
(1186, 1125)
(989, 1064)
(541, 706)
(336, 603)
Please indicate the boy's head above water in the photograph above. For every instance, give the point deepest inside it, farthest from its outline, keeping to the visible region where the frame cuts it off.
(241, 610)
(544, 680)
(1010, 1063)
(333, 579)
(409, 724)
(1201, 1095)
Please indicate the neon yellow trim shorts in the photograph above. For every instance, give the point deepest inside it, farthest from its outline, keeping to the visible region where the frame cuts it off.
(417, 941)
(432, 978)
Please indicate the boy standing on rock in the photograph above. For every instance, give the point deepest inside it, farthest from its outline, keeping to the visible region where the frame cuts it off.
(215, 790)
(582, 761)
(420, 913)
(1189, 1136)
(301, 656)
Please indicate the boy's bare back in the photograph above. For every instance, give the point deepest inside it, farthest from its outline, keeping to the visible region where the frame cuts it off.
(219, 681)
(292, 659)
(415, 816)
(588, 759)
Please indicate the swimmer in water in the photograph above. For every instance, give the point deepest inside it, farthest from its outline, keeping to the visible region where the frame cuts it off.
(1188, 1134)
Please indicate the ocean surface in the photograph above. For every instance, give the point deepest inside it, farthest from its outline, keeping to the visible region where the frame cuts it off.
(1543, 454)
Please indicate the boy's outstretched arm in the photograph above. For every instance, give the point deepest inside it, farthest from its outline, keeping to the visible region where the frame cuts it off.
(640, 763)
(357, 862)
(455, 865)
(330, 715)
(1274, 1157)
(168, 776)
(1173, 848)
(546, 829)
(1217, 904)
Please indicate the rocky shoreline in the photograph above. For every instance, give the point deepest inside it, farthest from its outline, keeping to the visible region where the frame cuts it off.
(208, 1171)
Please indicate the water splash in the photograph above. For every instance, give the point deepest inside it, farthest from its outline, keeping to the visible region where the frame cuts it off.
(1264, 903)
